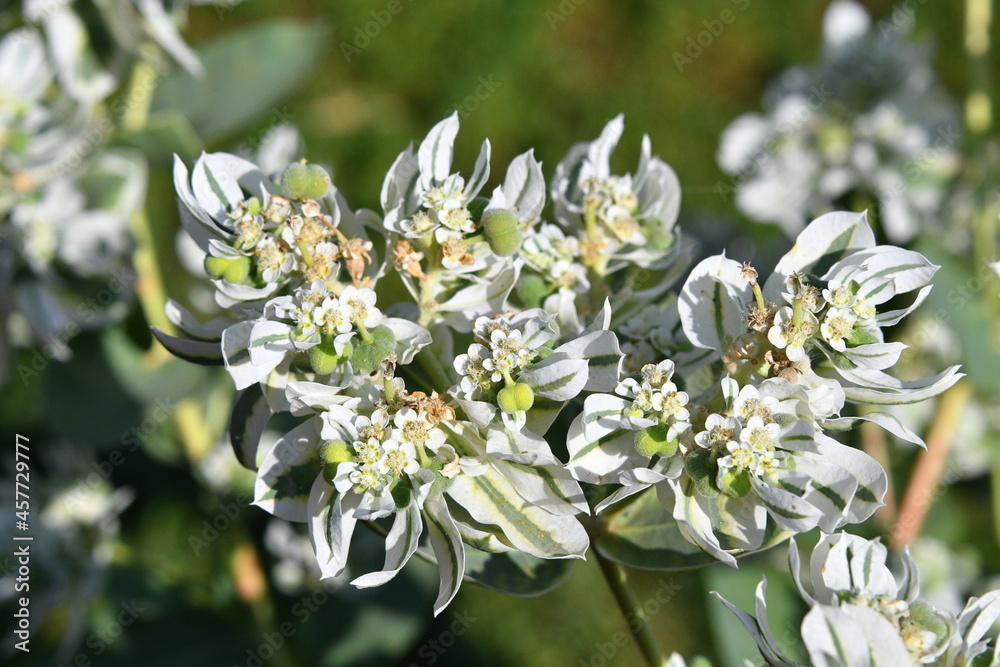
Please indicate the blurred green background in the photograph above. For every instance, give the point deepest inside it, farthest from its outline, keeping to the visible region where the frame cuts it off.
(547, 74)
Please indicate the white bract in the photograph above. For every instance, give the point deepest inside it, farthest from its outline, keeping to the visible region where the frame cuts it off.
(731, 478)
(861, 616)
(818, 321)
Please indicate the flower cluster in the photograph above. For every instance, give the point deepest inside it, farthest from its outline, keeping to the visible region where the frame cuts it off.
(860, 615)
(433, 415)
(870, 121)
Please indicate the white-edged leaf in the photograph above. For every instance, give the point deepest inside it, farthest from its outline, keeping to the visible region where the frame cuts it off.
(449, 551)
(491, 499)
(331, 526)
(206, 353)
(400, 544)
(436, 152)
(713, 302)
(288, 473)
(249, 417)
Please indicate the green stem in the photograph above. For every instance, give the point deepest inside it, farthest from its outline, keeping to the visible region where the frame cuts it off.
(978, 103)
(139, 97)
(631, 610)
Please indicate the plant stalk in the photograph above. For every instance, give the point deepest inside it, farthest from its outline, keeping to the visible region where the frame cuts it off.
(925, 481)
(631, 608)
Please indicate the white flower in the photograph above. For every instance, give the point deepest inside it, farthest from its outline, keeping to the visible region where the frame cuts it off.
(837, 325)
(719, 432)
(413, 428)
(399, 458)
(360, 303)
(760, 437)
(789, 336)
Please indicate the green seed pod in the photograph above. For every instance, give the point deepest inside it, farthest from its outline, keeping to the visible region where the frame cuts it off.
(516, 397)
(502, 231)
(317, 183)
(736, 483)
(402, 494)
(367, 355)
(532, 290)
(216, 266)
(653, 440)
(231, 269)
(702, 468)
(324, 358)
(477, 207)
(295, 180)
(332, 454)
(238, 271)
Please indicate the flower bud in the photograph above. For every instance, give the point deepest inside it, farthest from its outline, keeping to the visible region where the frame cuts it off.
(305, 181)
(502, 231)
(368, 355)
(654, 440)
(516, 397)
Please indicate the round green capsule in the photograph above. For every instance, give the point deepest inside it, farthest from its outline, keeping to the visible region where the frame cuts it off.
(654, 440)
(516, 397)
(502, 231)
(305, 181)
(231, 269)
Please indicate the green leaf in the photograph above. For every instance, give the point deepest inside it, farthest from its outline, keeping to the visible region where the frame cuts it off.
(206, 353)
(248, 72)
(515, 573)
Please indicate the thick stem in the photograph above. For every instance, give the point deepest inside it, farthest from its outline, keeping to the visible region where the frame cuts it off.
(926, 478)
(631, 608)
